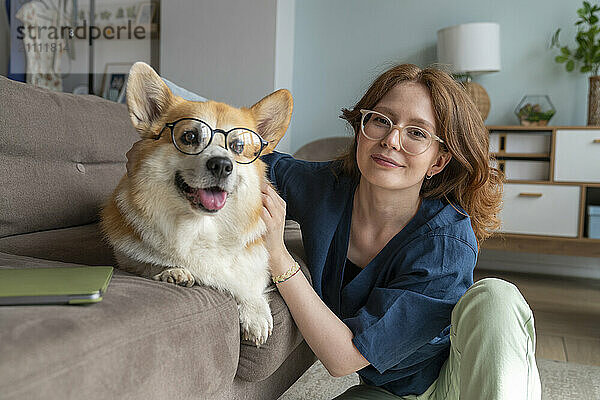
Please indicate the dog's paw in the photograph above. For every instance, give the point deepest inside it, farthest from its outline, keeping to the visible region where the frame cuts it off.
(256, 321)
(179, 276)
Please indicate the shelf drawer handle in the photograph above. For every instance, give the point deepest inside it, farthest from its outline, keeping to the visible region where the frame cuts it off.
(530, 195)
(596, 141)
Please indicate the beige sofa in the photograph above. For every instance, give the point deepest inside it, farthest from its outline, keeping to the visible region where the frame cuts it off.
(61, 155)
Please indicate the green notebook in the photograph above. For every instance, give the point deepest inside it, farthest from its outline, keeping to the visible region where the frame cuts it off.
(69, 285)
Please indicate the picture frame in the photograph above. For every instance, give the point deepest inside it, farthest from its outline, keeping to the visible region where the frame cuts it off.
(145, 13)
(114, 80)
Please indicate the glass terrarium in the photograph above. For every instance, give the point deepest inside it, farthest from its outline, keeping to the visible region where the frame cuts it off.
(535, 110)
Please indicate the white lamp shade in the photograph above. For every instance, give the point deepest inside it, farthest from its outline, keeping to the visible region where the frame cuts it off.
(470, 48)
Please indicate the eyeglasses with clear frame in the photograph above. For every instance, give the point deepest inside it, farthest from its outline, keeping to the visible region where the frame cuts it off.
(191, 136)
(414, 140)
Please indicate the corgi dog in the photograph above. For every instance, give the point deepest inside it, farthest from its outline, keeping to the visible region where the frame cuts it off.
(189, 210)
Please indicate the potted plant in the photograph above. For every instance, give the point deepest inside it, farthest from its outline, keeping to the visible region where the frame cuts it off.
(535, 110)
(587, 53)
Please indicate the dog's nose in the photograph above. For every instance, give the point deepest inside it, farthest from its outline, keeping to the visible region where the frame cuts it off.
(220, 167)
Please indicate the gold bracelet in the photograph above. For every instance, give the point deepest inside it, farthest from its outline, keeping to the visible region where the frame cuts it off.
(287, 275)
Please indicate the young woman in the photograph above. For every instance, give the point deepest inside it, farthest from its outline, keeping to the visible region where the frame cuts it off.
(392, 232)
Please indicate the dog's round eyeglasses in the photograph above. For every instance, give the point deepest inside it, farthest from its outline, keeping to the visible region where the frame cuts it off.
(191, 136)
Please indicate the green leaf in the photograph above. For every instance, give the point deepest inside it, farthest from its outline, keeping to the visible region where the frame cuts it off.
(561, 59)
(554, 42)
(586, 52)
(582, 41)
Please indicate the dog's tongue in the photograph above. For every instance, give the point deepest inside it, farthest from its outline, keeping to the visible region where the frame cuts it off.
(212, 200)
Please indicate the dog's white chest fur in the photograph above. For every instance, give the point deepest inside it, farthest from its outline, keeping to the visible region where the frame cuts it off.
(220, 257)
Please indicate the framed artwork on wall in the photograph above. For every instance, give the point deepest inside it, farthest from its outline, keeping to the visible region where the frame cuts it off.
(114, 80)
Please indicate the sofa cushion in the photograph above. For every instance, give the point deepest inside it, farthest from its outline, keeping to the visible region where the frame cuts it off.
(160, 314)
(143, 337)
(84, 245)
(61, 155)
(78, 244)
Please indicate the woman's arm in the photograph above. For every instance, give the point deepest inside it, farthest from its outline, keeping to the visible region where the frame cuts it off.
(328, 337)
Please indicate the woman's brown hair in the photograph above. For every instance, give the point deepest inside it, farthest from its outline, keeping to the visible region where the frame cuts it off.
(468, 179)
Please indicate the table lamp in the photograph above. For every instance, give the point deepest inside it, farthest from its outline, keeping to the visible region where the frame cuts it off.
(468, 50)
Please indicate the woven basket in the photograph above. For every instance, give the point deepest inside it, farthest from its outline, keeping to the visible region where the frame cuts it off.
(594, 101)
(479, 97)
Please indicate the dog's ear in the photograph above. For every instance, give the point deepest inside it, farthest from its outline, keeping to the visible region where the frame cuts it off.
(273, 114)
(147, 97)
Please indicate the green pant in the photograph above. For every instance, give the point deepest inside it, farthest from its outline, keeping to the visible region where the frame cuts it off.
(492, 350)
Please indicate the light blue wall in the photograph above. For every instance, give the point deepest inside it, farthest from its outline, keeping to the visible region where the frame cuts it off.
(342, 45)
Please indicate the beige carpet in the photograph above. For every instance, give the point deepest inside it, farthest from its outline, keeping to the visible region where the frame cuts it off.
(560, 381)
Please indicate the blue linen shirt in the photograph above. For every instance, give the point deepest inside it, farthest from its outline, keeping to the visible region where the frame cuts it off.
(399, 306)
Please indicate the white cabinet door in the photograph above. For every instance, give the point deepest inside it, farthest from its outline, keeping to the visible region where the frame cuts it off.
(551, 210)
(577, 156)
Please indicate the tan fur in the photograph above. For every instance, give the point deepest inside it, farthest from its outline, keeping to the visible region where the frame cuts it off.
(154, 230)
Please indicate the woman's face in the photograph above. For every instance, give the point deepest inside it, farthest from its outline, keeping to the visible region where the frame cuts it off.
(407, 103)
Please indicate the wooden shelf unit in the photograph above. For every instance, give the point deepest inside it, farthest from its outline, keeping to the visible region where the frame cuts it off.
(575, 243)
(503, 154)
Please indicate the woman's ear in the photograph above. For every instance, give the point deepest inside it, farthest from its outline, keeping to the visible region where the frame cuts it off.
(273, 114)
(443, 158)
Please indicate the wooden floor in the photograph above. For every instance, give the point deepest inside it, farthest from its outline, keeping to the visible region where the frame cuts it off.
(566, 313)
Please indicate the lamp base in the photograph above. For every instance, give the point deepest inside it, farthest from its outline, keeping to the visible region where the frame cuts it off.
(479, 97)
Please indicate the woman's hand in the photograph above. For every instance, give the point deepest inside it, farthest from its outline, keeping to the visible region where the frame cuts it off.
(273, 215)
(132, 156)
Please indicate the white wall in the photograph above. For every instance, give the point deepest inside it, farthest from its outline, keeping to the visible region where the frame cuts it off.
(284, 59)
(342, 45)
(222, 50)
(234, 51)
(284, 43)
(4, 40)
